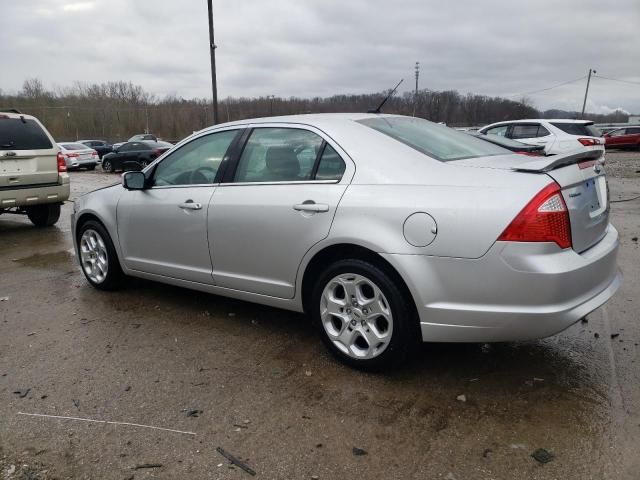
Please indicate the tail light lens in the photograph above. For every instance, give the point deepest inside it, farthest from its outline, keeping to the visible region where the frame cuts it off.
(94, 154)
(62, 165)
(544, 219)
(589, 142)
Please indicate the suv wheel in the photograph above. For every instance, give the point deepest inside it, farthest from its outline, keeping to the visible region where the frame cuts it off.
(106, 166)
(362, 316)
(44, 215)
(98, 257)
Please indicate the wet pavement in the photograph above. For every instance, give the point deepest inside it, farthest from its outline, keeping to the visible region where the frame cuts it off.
(264, 389)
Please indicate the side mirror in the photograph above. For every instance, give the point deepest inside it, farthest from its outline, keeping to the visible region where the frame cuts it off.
(133, 180)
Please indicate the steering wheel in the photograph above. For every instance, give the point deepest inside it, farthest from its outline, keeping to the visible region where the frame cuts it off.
(198, 177)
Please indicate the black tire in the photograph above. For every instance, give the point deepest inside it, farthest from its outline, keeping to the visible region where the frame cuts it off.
(107, 166)
(144, 163)
(405, 334)
(114, 277)
(44, 215)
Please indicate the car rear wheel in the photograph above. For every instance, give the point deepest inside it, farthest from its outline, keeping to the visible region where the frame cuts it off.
(44, 215)
(362, 315)
(107, 166)
(98, 257)
(91, 167)
(144, 163)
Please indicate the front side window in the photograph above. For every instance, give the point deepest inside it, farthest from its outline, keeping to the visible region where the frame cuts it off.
(500, 131)
(436, 141)
(195, 163)
(278, 155)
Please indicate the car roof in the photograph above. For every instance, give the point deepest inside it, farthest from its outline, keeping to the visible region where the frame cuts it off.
(310, 119)
(16, 115)
(548, 120)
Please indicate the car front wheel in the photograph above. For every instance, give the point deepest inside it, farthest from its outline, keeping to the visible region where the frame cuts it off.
(98, 257)
(362, 315)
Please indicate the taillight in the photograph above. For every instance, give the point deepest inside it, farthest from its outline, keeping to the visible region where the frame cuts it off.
(544, 219)
(62, 165)
(94, 153)
(589, 142)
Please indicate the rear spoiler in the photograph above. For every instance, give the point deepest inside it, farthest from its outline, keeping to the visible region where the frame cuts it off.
(546, 164)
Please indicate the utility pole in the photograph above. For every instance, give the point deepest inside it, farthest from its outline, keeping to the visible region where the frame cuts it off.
(212, 48)
(415, 97)
(271, 97)
(586, 92)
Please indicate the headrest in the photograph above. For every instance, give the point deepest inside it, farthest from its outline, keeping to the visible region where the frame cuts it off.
(283, 161)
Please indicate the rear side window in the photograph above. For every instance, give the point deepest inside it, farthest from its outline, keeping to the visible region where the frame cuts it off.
(18, 134)
(633, 131)
(524, 131)
(331, 166)
(578, 129)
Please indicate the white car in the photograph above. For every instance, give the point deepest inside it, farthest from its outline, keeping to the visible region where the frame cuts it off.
(557, 136)
(78, 155)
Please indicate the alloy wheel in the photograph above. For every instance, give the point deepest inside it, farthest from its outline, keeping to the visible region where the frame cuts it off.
(356, 316)
(93, 256)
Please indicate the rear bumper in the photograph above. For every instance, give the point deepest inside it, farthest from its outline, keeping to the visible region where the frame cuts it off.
(36, 195)
(517, 291)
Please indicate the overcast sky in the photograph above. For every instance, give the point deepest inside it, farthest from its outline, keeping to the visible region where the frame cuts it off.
(323, 47)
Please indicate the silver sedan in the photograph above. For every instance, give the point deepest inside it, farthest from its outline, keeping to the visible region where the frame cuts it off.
(386, 230)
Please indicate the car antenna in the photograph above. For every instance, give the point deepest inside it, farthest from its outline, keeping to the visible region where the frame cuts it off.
(377, 110)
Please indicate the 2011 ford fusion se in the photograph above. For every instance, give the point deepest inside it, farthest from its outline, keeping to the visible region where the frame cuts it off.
(386, 230)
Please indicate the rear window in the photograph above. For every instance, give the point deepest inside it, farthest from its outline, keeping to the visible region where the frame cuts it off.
(18, 134)
(578, 129)
(437, 141)
(73, 146)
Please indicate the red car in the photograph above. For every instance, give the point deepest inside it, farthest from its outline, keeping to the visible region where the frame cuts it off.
(627, 137)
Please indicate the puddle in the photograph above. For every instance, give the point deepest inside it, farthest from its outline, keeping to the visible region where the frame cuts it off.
(46, 259)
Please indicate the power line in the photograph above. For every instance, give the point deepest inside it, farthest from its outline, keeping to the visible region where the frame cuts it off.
(548, 88)
(618, 80)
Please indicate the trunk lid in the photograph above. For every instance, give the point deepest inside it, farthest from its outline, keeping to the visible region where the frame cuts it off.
(583, 182)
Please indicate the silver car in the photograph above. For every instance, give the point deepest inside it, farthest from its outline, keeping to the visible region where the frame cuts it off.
(386, 230)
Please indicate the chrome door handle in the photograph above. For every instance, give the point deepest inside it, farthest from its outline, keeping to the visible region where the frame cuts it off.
(311, 207)
(190, 205)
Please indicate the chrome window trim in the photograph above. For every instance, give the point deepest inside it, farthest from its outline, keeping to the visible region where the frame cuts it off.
(296, 182)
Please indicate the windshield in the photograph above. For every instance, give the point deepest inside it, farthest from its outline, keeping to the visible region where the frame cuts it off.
(437, 141)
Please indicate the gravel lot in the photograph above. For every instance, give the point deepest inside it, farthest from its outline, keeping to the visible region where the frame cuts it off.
(256, 382)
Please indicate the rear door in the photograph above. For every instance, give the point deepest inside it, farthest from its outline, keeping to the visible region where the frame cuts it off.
(274, 204)
(27, 153)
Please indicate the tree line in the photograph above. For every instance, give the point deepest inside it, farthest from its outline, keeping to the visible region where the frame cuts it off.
(117, 110)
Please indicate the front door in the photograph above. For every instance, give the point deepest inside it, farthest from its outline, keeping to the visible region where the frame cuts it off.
(279, 203)
(163, 228)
